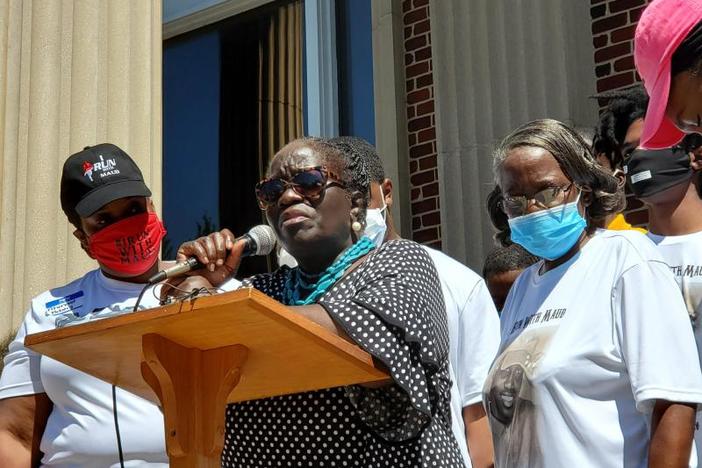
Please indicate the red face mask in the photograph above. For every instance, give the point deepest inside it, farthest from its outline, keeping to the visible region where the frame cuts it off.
(129, 246)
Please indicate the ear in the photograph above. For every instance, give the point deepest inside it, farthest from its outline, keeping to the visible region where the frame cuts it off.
(620, 176)
(695, 162)
(83, 238)
(358, 208)
(386, 188)
(586, 196)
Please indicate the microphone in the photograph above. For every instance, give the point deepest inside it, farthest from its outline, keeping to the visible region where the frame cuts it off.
(260, 240)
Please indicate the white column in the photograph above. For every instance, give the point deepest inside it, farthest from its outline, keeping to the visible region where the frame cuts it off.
(72, 73)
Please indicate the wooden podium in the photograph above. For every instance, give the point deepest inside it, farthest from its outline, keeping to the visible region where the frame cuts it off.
(194, 357)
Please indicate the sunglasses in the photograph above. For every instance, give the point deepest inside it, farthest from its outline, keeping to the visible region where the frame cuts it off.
(309, 183)
(545, 199)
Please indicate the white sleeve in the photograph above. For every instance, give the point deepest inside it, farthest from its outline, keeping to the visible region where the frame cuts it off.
(479, 339)
(20, 375)
(655, 337)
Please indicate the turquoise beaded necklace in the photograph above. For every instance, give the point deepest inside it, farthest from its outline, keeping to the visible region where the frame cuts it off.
(311, 287)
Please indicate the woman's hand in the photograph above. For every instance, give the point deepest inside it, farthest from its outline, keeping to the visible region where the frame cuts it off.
(219, 252)
(672, 430)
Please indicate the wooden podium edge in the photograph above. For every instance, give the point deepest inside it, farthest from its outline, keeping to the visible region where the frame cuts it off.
(262, 302)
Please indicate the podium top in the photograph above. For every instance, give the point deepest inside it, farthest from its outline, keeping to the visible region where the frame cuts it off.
(288, 353)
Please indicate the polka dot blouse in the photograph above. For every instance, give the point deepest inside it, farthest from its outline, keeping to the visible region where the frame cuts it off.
(391, 306)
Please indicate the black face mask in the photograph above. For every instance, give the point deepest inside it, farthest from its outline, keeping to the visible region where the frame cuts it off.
(649, 172)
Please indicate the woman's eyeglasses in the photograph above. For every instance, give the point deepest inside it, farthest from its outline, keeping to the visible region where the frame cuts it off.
(309, 183)
(544, 199)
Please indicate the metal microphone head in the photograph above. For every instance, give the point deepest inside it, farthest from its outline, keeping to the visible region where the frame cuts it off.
(264, 237)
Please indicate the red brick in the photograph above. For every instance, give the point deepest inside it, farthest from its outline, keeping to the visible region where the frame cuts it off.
(598, 11)
(415, 16)
(634, 16)
(419, 123)
(615, 81)
(428, 163)
(435, 245)
(409, 58)
(609, 23)
(415, 43)
(410, 85)
(620, 5)
(417, 69)
(410, 112)
(608, 53)
(413, 166)
(595, 2)
(423, 54)
(431, 219)
(425, 108)
(419, 3)
(424, 206)
(425, 80)
(414, 193)
(406, 6)
(428, 134)
(623, 34)
(418, 96)
(603, 70)
(416, 223)
(412, 139)
(430, 190)
(624, 63)
(599, 41)
(422, 178)
(426, 235)
(408, 32)
(422, 27)
(418, 151)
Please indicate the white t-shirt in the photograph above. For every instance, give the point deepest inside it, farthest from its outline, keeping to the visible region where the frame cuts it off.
(80, 431)
(683, 254)
(586, 350)
(474, 337)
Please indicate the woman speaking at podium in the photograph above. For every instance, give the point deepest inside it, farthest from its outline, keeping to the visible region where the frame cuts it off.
(386, 300)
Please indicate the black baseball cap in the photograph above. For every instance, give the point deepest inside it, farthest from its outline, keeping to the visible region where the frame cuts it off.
(98, 175)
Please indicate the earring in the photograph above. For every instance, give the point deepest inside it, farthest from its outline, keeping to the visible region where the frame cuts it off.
(356, 226)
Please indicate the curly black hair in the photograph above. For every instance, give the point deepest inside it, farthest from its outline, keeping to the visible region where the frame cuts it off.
(623, 108)
(510, 258)
(498, 218)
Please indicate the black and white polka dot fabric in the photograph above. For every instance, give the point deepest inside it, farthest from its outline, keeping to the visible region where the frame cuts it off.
(391, 305)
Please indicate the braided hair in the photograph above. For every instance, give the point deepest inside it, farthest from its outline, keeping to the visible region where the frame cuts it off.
(354, 173)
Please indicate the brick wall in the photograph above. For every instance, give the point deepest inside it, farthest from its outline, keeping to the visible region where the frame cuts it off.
(613, 25)
(421, 124)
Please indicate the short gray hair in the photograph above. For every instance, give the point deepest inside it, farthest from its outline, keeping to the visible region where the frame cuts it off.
(576, 161)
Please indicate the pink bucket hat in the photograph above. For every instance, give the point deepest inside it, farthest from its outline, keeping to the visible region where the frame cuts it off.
(662, 27)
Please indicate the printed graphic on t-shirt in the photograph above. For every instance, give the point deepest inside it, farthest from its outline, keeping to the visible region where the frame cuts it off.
(511, 400)
(689, 278)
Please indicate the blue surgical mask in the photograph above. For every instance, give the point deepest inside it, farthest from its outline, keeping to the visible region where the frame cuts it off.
(549, 233)
(375, 224)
